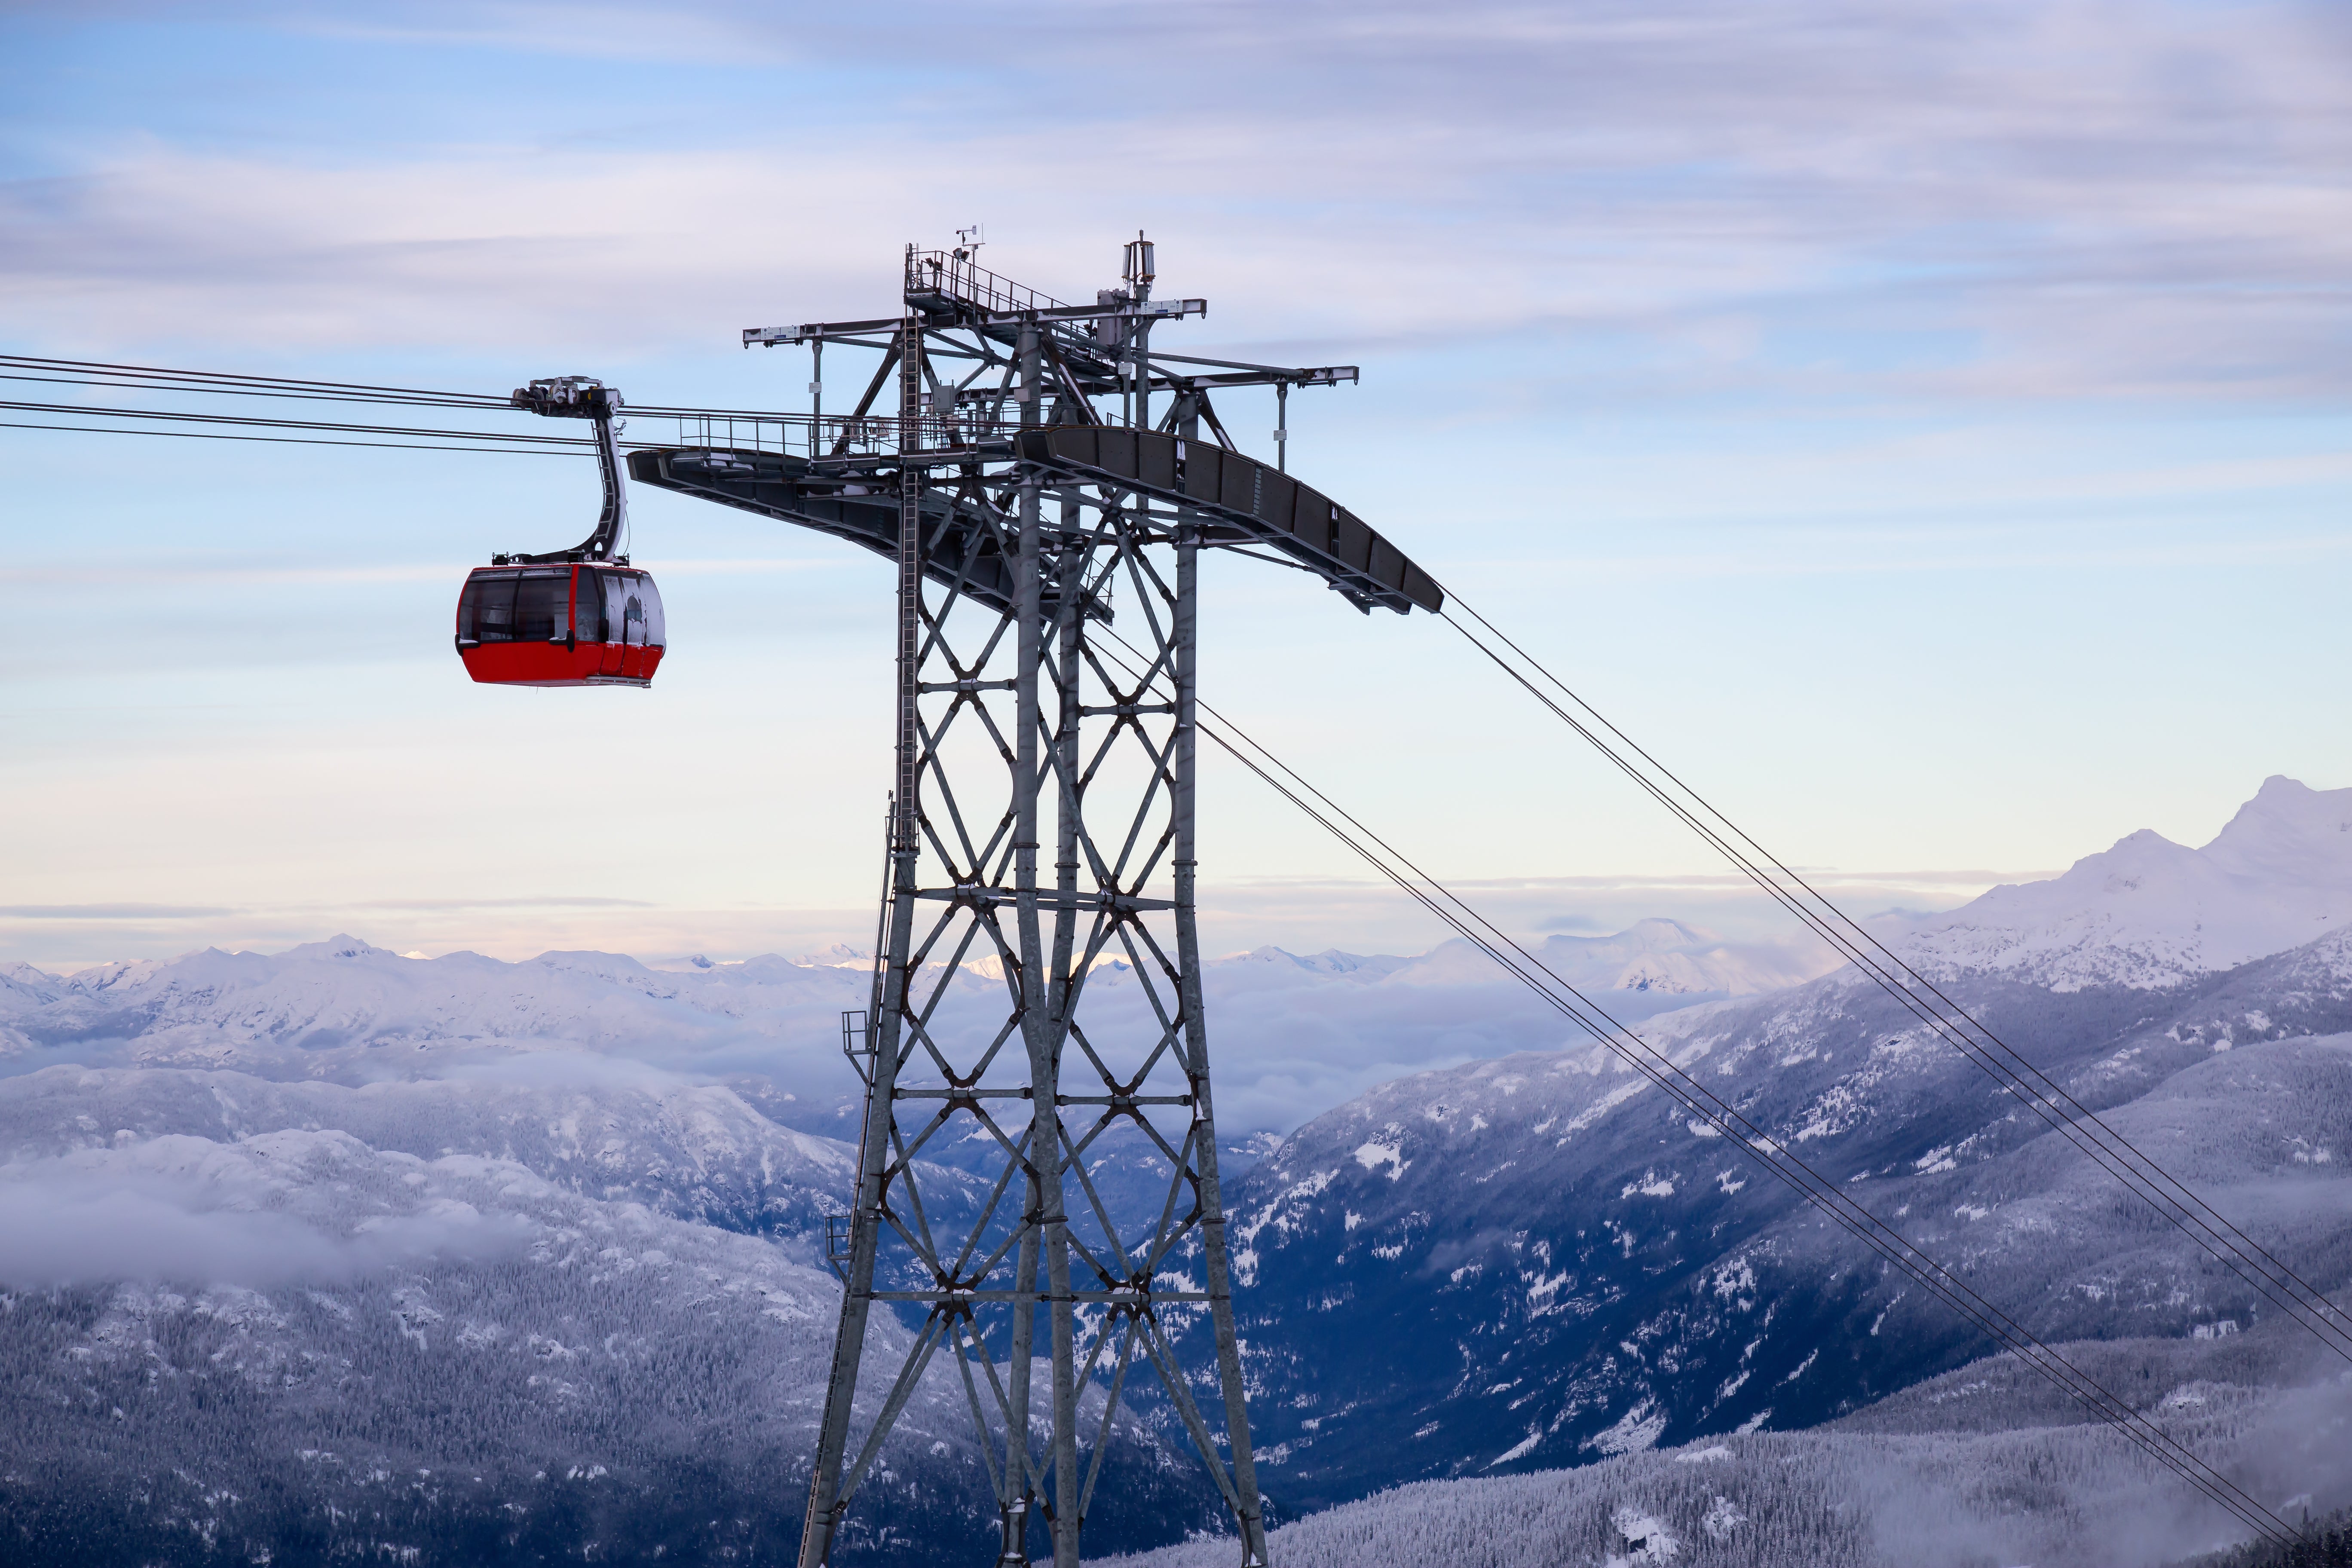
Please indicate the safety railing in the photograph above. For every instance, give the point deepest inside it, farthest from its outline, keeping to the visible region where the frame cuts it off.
(956, 276)
(804, 436)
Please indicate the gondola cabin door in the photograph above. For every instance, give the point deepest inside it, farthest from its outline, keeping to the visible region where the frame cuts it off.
(560, 625)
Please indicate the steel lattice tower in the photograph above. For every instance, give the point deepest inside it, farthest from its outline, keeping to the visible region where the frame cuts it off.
(1041, 837)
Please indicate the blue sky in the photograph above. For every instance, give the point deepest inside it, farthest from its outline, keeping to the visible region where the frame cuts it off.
(1925, 427)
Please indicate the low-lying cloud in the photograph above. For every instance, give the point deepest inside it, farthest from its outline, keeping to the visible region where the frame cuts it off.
(185, 1211)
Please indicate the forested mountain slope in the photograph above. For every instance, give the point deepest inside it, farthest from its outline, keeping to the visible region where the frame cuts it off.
(1981, 1468)
(1538, 1261)
(341, 1254)
(445, 1323)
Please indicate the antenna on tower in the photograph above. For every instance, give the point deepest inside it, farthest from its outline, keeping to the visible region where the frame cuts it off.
(1139, 268)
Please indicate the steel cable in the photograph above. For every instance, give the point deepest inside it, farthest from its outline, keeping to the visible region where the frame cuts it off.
(340, 427)
(105, 376)
(2058, 1108)
(1820, 1192)
(109, 374)
(289, 440)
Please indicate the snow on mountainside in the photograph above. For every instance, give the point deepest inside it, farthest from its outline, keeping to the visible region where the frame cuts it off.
(291, 1343)
(235, 1009)
(694, 1151)
(1535, 1261)
(1653, 955)
(1982, 1466)
(337, 1251)
(1293, 1033)
(2151, 914)
(443, 1321)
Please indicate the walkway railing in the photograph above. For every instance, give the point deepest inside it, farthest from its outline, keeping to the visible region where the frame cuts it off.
(954, 275)
(802, 436)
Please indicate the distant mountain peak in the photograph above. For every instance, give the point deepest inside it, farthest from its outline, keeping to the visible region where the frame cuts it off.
(342, 944)
(2148, 912)
(2288, 830)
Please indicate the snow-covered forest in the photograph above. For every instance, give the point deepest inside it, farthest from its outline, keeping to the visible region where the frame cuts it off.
(1981, 1468)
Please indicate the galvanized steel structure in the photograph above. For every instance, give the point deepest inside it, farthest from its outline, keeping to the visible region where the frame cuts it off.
(1043, 476)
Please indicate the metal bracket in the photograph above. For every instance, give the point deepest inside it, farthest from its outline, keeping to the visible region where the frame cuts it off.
(857, 1044)
(582, 397)
(840, 1232)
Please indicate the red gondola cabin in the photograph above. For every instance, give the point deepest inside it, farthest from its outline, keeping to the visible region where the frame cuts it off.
(582, 617)
(560, 625)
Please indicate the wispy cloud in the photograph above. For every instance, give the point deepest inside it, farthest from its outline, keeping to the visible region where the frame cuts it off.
(113, 912)
(2007, 200)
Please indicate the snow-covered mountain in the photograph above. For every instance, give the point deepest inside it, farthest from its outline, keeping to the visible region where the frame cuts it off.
(2151, 914)
(1983, 1464)
(694, 1151)
(1293, 1033)
(442, 1321)
(1534, 1260)
(337, 1251)
(292, 1343)
(1662, 956)
(286, 1012)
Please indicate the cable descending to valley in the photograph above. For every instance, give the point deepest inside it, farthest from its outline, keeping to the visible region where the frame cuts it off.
(1822, 1192)
(1945, 1018)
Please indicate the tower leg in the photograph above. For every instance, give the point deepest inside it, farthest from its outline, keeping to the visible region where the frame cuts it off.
(1252, 1520)
(825, 1504)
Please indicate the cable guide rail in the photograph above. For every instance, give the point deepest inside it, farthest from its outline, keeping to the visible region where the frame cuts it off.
(1242, 501)
(952, 481)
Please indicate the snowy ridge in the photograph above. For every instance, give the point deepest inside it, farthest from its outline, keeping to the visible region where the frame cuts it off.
(1665, 956)
(1293, 1031)
(695, 1151)
(2149, 913)
(1542, 1261)
(1660, 955)
(216, 1007)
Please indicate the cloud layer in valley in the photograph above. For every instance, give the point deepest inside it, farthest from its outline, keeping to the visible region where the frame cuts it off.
(284, 1206)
